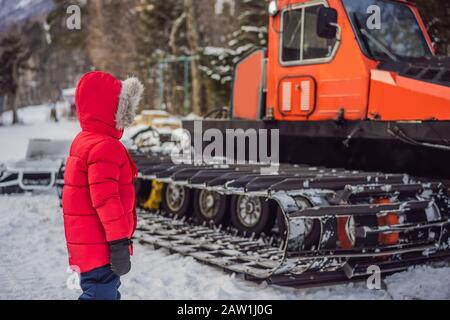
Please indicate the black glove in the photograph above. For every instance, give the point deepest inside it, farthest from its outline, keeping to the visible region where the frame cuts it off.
(120, 256)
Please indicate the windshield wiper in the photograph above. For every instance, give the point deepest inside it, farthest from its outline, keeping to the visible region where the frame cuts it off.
(379, 44)
(374, 40)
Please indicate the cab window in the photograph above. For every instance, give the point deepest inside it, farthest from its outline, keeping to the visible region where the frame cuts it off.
(300, 42)
(292, 21)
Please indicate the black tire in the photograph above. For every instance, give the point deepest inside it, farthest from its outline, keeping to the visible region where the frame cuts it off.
(262, 224)
(183, 209)
(220, 216)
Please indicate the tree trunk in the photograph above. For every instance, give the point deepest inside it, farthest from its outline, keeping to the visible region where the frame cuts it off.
(174, 32)
(193, 40)
(11, 105)
(12, 99)
(2, 108)
(175, 105)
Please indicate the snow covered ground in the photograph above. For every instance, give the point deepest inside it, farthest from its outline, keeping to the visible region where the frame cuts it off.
(34, 124)
(33, 258)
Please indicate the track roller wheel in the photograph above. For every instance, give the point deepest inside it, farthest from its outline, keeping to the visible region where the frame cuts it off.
(176, 200)
(346, 232)
(388, 220)
(211, 207)
(313, 228)
(252, 215)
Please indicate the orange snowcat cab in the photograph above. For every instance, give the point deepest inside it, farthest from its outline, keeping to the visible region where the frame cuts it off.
(356, 73)
(352, 84)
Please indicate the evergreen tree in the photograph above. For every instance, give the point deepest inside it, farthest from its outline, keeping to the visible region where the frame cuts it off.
(249, 32)
(436, 14)
(161, 34)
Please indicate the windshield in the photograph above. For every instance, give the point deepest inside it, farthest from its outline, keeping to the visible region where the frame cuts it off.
(398, 34)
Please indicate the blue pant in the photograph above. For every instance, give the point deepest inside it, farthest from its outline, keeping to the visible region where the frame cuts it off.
(100, 284)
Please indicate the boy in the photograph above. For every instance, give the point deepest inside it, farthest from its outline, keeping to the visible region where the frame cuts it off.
(99, 196)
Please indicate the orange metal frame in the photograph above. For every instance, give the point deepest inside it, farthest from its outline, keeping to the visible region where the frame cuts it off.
(248, 87)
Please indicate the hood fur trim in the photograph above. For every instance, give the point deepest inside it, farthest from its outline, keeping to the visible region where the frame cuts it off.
(129, 99)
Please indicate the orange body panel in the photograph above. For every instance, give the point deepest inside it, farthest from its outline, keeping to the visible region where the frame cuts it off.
(394, 97)
(344, 240)
(248, 87)
(342, 83)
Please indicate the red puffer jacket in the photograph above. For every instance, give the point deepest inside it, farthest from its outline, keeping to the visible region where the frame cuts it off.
(99, 195)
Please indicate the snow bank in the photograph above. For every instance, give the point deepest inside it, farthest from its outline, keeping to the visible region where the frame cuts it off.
(422, 282)
(32, 264)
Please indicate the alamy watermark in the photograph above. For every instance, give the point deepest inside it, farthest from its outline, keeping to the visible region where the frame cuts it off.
(374, 20)
(73, 21)
(374, 281)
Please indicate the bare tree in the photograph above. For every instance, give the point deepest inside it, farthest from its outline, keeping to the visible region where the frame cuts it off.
(194, 45)
(176, 27)
(111, 38)
(14, 54)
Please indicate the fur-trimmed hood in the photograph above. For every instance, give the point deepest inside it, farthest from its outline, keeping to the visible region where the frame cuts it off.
(106, 105)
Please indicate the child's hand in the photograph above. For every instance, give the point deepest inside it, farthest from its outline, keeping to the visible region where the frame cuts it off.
(120, 257)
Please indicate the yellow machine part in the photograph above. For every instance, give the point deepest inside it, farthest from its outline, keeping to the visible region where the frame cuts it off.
(155, 198)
